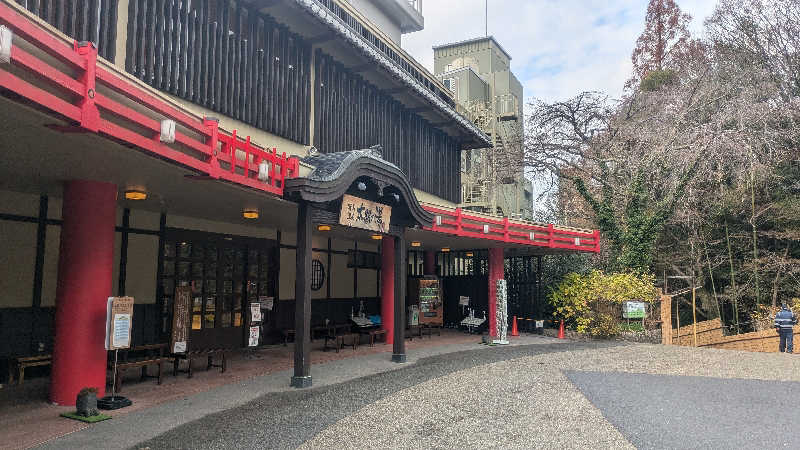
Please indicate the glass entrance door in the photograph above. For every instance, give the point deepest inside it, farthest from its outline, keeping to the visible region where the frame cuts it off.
(225, 274)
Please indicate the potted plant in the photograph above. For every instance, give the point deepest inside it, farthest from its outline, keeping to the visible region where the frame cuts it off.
(86, 403)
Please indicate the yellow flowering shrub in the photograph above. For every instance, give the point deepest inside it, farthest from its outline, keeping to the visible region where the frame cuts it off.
(585, 300)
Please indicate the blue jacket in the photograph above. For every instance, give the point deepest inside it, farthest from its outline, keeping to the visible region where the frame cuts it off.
(785, 319)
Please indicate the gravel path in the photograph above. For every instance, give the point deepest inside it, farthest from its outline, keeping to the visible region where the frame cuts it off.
(528, 402)
(514, 397)
(288, 419)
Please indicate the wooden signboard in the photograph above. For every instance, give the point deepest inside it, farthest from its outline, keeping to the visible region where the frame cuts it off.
(359, 213)
(181, 319)
(119, 321)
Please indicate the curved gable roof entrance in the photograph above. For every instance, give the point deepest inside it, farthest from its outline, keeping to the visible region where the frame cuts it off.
(363, 174)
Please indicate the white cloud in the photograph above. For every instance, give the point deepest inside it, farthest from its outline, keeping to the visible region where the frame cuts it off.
(558, 48)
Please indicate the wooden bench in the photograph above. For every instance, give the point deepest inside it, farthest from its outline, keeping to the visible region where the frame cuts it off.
(286, 334)
(209, 353)
(428, 329)
(340, 341)
(373, 334)
(325, 330)
(19, 364)
(413, 330)
(142, 356)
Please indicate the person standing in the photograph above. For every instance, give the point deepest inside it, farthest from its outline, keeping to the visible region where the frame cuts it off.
(784, 325)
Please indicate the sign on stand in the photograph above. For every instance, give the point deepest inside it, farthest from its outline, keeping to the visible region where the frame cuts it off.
(180, 319)
(359, 213)
(119, 321)
(633, 310)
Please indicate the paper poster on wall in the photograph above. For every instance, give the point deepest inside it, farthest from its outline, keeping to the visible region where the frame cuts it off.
(253, 340)
(121, 337)
(255, 312)
(266, 302)
(463, 301)
(119, 320)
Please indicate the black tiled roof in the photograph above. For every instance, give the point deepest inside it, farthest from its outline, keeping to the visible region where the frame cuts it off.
(329, 166)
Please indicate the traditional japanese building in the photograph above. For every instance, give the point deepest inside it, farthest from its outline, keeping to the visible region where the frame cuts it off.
(285, 153)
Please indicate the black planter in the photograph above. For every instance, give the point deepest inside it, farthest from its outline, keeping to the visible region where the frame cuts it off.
(86, 403)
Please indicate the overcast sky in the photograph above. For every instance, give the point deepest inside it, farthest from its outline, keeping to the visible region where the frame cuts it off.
(558, 47)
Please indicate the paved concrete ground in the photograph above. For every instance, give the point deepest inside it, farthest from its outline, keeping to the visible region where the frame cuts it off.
(28, 419)
(129, 429)
(660, 411)
(565, 395)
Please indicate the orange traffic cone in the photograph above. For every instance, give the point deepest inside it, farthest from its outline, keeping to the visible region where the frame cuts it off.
(514, 331)
(561, 330)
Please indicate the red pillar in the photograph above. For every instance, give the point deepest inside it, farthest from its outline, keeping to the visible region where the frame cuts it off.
(84, 284)
(429, 263)
(387, 287)
(496, 272)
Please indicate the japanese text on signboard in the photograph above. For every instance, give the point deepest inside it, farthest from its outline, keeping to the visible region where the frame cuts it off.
(359, 213)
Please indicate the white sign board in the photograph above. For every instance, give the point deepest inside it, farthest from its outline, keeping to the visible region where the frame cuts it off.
(253, 340)
(255, 312)
(463, 301)
(122, 331)
(633, 310)
(119, 320)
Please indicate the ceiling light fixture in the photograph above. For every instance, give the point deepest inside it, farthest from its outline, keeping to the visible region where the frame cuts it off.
(377, 237)
(416, 244)
(135, 194)
(250, 214)
(469, 255)
(445, 249)
(324, 228)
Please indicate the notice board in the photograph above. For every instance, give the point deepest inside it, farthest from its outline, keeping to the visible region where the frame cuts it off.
(179, 342)
(119, 321)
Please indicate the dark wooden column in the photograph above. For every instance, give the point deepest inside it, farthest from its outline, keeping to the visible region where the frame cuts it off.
(400, 271)
(302, 299)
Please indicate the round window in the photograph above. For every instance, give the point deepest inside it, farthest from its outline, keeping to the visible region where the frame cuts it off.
(317, 275)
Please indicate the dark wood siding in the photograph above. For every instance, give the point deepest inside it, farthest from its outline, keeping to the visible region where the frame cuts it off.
(225, 57)
(353, 114)
(82, 20)
(385, 49)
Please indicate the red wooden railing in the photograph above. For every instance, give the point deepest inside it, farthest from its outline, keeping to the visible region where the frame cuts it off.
(458, 223)
(198, 144)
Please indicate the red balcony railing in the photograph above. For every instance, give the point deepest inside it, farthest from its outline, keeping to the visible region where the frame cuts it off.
(94, 99)
(457, 223)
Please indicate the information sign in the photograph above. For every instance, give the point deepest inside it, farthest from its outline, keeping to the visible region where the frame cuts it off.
(359, 213)
(119, 320)
(266, 302)
(633, 310)
(255, 312)
(180, 319)
(253, 340)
